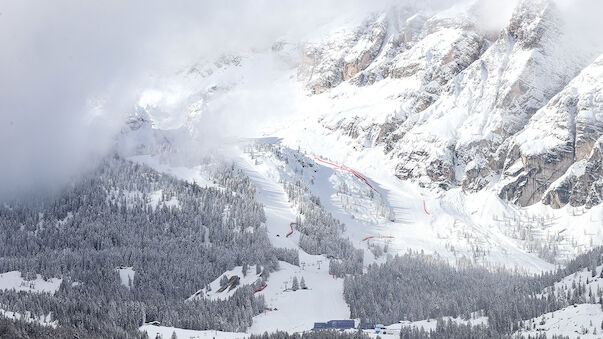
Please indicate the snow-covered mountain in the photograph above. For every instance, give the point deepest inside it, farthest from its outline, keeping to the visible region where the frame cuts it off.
(450, 102)
(431, 105)
(463, 102)
(386, 153)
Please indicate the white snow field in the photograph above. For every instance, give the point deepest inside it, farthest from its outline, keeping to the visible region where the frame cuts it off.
(577, 321)
(28, 317)
(14, 281)
(454, 225)
(295, 311)
(126, 276)
(166, 332)
(478, 225)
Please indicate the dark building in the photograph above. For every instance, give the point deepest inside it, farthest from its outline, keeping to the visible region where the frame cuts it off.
(320, 326)
(335, 324)
(366, 326)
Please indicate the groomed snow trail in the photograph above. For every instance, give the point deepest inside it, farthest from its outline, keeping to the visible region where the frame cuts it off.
(292, 311)
(276, 205)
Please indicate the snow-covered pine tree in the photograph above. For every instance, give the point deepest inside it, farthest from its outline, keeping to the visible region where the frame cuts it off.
(295, 284)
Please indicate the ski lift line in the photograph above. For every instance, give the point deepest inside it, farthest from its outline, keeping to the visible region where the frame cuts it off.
(290, 225)
(378, 237)
(348, 170)
(260, 289)
(425, 209)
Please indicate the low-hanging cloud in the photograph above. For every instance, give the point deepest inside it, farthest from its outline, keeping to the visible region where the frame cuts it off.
(71, 71)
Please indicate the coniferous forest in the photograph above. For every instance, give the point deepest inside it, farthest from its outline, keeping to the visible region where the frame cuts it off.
(117, 216)
(177, 237)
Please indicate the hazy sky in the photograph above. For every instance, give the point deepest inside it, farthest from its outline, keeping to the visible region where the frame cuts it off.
(71, 70)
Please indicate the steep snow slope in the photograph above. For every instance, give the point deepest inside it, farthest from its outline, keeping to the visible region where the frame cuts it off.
(292, 310)
(464, 221)
(447, 102)
(446, 99)
(481, 145)
(446, 226)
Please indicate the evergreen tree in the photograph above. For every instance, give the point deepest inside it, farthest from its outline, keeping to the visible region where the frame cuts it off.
(295, 284)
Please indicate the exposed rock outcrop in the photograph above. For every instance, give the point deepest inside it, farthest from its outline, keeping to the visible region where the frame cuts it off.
(558, 136)
(474, 109)
(582, 184)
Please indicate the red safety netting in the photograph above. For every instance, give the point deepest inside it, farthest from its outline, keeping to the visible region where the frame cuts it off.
(260, 289)
(424, 208)
(378, 237)
(348, 170)
(290, 225)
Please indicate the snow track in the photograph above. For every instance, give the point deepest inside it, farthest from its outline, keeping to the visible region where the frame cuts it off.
(292, 311)
(276, 206)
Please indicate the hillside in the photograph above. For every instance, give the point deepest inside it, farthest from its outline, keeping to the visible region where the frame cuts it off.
(429, 169)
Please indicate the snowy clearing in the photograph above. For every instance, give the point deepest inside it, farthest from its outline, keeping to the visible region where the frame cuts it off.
(166, 332)
(28, 317)
(14, 281)
(577, 321)
(126, 276)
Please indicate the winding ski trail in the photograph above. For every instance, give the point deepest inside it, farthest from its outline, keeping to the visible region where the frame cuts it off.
(292, 311)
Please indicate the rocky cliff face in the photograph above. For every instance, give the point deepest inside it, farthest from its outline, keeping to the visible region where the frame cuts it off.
(452, 104)
(559, 135)
(469, 108)
(581, 184)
